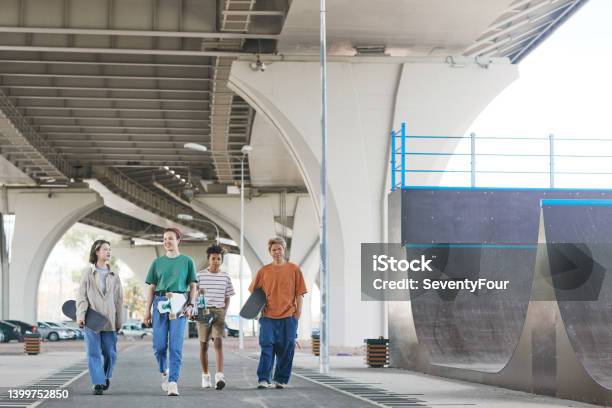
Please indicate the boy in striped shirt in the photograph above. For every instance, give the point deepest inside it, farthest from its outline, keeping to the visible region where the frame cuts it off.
(218, 288)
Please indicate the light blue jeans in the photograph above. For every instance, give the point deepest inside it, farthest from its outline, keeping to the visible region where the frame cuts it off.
(168, 341)
(101, 354)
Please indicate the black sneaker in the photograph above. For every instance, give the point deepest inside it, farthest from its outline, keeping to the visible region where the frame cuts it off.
(105, 386)
(98, 389)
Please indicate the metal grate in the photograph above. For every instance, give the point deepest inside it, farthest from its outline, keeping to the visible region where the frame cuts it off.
(364, 391)
(56, 380)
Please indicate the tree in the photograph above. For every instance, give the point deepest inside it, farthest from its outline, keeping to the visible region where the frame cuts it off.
(134, 299)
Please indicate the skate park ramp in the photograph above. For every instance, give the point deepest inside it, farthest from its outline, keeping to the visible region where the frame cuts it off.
(484, 234)
(472, 333)
(579, 243)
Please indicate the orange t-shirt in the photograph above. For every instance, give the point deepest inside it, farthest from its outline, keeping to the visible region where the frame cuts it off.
(282, 284)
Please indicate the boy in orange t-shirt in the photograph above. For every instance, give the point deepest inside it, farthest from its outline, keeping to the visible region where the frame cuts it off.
(284, 286)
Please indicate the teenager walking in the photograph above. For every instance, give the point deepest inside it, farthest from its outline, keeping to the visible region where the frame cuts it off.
(172, 275)
(100, 289)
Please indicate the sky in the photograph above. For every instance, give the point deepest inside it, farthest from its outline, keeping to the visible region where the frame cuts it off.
(563, 89)
(564, 84)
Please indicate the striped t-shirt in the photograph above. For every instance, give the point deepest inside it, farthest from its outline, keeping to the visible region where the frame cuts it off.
(217, 287)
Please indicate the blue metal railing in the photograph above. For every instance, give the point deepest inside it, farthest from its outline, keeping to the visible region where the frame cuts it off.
(400, 156)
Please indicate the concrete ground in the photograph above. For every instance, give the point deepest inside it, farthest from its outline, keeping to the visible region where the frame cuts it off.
(136, 381)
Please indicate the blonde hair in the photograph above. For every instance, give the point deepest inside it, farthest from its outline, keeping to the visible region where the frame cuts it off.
(276, 240)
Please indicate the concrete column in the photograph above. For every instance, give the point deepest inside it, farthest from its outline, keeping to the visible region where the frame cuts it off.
(365, 102)
(259, 225)
(305, 253)
(41, 219)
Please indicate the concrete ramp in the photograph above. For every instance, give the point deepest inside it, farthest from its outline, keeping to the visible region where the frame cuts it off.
(579, 242)
(550, 332)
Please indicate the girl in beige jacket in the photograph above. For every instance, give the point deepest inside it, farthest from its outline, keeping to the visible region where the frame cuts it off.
(100, 289)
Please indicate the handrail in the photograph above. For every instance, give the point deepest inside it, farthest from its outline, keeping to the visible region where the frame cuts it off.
(399, 171)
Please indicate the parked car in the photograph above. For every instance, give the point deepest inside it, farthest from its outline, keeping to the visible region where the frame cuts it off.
(72, 325)
(232, 323)
(72, 335)
(10, 331)
(192, 329)
(26, 328)
(133, 330)
(53, 332)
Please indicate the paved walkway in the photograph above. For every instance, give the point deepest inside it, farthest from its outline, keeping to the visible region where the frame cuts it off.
(136, 383)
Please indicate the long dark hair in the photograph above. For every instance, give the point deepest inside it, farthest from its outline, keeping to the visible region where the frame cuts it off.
(93, 257)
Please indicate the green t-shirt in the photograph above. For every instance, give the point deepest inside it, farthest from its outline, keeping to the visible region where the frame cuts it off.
(172, 274)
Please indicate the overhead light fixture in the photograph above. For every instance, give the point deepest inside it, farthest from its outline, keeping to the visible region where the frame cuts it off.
(246, 149)
(195, 146)
(258, 65)
(185, 217)
(166, 168)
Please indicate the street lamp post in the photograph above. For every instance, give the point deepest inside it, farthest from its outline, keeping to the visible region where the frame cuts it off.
(189, 217)
(246, 149)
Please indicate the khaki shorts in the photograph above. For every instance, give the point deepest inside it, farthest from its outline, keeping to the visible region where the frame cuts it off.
(217, 329)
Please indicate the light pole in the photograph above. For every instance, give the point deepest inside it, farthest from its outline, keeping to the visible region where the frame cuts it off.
(246, 149)
(189, 217)
(324, 271)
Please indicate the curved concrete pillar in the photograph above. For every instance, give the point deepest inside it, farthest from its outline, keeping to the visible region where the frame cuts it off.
(138, 258)
(365, 102)
(258, 227)
(41, 219)
(225, 212)
(305, 253)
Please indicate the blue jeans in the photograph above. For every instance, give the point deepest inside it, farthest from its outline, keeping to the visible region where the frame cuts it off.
(168, 336)
(101, 354)
(277, 341)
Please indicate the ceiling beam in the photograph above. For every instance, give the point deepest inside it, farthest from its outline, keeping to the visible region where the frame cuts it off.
(80, 76)
(85, 88)
(136, 33)
(130, 51)
(91, 98)
(117, 118)
(81, 108)
(120, 127)
(104, 63)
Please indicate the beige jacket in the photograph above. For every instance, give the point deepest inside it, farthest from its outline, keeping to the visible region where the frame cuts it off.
(90, 295)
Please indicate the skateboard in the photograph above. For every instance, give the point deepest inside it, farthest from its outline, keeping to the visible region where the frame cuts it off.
(94, 320)
(254, 304)
(173, 305)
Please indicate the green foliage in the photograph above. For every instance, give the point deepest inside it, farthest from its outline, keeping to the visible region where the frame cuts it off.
(134, 299)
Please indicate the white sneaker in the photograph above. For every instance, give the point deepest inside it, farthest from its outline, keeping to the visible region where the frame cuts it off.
(173, 389)
(164, 384)
(279, 386)
(206, 380)
(219, 381)
(263, 384)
